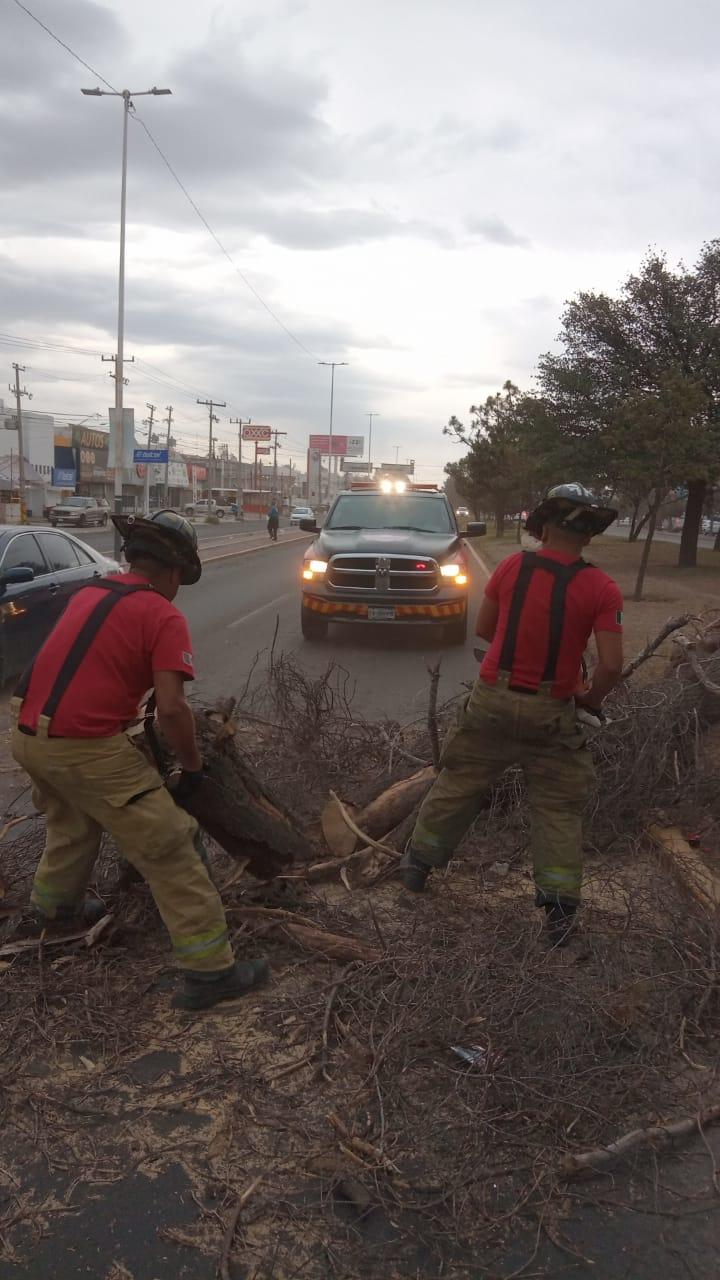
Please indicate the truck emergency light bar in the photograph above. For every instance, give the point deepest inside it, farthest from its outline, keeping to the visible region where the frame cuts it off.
(385, 485)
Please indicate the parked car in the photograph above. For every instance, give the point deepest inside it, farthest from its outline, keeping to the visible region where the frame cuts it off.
(711, 524)
(301, 513)
(39, 571)
(203, 508)
(80, 512)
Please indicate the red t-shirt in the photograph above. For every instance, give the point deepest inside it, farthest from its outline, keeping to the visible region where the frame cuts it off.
(143, 633)
(593, 603)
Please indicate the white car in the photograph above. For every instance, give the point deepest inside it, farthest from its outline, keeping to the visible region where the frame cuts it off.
(203, 508)
(301, 513)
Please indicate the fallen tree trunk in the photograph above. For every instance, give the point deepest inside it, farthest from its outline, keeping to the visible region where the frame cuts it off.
(236, 809)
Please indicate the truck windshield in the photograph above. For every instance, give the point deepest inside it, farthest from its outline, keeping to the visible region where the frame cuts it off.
(417, 511)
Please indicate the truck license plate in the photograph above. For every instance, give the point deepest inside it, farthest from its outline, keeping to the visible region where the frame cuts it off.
(381, 615)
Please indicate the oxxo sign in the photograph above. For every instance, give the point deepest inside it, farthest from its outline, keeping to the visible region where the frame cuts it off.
(91, 448)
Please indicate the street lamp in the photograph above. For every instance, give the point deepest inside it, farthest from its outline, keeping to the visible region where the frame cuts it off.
(370, 416)
(332, 365)
(127, 98)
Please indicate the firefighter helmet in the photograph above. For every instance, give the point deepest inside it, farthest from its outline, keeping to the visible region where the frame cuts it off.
(572, 507)
(165, 536)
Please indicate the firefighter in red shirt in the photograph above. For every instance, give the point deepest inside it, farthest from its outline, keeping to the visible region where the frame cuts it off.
(538, 613)
(117, 639)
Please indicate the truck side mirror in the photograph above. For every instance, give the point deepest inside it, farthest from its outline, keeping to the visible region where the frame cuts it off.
(476, 529)
(309, 526)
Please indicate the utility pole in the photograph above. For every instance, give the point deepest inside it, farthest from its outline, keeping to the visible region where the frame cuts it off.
(20, 368)
(238, 422)
(275, 449)
(397, 453)
(168, 421)
(332, 365)
(148, 422)
(210, 405)
(370, 416)
(119, 357)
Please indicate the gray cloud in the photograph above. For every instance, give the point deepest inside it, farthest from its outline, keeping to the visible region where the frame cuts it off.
(495, 231)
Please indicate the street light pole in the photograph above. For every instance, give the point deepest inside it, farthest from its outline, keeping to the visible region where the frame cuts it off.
(127, 98)
(370, 416)
(238, 422)
(332, 365)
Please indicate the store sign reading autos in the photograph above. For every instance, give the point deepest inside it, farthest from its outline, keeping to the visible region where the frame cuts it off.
(92, 453)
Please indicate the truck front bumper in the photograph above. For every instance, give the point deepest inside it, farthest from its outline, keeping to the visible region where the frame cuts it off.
(383, 611)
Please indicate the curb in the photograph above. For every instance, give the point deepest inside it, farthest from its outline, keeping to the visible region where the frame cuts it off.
(246, 551)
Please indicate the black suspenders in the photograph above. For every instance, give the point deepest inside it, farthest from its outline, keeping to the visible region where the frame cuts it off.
(563, 575)
(116, 591)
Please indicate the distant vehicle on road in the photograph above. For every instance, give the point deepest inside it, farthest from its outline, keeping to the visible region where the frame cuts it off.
(301, 513)
(711, 524)
(204, 508)
(80, 512)
(391, 554)
(462, 511)
(39, 571)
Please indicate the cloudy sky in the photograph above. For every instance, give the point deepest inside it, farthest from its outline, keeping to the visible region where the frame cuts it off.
(413, 186)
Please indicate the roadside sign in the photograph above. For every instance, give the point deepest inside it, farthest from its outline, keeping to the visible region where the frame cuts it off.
(263, 449)
(354, 468)
(250, 432)
(150, 455)
(399, 468)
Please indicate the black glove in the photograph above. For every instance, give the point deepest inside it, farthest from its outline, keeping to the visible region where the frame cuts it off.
(187, 785)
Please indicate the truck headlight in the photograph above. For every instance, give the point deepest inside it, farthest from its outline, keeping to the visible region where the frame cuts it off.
(313, 567)
(456, 572)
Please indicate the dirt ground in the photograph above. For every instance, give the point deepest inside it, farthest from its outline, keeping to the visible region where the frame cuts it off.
(668, 590)
(405, 1118)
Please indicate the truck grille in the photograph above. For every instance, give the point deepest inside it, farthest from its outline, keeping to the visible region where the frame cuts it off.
(383, 574)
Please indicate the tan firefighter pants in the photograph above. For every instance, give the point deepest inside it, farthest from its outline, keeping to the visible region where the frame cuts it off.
(497, 728)
(90, 785)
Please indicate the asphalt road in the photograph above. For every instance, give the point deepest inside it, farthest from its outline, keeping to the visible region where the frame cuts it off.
(233, 612)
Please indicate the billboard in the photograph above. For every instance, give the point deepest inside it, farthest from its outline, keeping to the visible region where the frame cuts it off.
(342, 446)
(261, 448)
(399, 468)
(250, 432)
(355, 468)
(91, 451)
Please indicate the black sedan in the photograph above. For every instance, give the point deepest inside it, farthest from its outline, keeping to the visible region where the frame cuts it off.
(39, 571)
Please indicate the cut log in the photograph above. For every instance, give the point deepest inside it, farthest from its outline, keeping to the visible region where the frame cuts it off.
(687, 866)
(339, 838)
(389, 808)
(236, 809)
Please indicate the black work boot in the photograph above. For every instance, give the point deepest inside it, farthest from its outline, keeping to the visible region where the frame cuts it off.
(204, 990)
(67, 918)
(414, 871)
(561, 922)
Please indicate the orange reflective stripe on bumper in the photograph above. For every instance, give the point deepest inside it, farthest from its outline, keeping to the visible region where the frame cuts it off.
(453, 609)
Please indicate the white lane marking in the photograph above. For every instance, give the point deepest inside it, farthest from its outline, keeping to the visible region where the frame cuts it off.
(487, 571)
(239, 622)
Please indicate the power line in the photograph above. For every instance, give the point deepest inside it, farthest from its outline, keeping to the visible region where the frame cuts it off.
(220, 244)
(64, 46)
(248, 284)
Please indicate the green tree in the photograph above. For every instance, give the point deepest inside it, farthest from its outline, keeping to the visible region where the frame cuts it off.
(511, 441)
(663, 329)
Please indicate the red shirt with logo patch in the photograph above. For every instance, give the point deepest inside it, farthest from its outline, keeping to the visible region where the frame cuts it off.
(593, 603)
(143, 633)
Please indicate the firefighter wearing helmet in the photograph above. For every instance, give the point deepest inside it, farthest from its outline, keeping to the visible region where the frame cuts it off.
(117, 639)
(529, 702)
